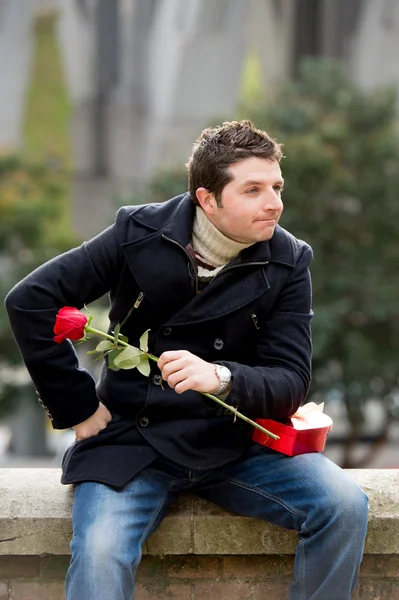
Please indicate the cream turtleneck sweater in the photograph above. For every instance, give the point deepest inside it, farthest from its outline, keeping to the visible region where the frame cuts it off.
(212, 248)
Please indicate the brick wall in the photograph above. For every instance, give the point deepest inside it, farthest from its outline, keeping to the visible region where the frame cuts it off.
(194, 578)
(199, 552)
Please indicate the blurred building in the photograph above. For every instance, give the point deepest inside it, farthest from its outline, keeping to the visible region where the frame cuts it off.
(145, 76)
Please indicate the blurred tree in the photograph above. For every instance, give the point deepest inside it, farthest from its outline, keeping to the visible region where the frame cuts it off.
(46, 133)
(164, 184)
(48, 106)
(34, 218)
(32, 198)
(342, 182)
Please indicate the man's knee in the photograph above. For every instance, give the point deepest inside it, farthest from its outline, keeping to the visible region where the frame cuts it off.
(100, 546)
(344, 504)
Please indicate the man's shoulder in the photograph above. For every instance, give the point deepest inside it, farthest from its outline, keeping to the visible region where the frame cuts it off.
(284, 246)
(154, 214)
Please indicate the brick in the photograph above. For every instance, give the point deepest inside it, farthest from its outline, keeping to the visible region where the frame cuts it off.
(377, 590)
(150, 566)
(258, 567)
(192, 567)
(38, 591)
(54, 567)
(12, 567)
(222, 590)
(180, 567)
(379, 566)
(3, 591)
(158, 590)
(278, 590)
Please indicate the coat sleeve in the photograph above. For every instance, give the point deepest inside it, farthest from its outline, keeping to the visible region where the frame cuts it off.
(278, 384)
(74, 278)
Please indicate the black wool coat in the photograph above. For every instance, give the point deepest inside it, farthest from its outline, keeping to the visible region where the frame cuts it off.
(254, 317)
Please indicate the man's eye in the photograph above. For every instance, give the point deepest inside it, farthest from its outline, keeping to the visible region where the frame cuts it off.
(252, 190)
(278, 188)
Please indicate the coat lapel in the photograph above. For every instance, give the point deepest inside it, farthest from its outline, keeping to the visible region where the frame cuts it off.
(159, 266)
(225, 294)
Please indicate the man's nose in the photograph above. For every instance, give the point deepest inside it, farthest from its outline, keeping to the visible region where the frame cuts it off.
(272, 201)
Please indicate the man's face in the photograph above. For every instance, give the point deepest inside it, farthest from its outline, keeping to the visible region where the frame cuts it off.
(251, 202)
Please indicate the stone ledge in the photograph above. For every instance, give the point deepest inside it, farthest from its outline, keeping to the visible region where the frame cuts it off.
(35, 519)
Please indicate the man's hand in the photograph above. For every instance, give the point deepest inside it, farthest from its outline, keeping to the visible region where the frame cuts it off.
(185, 371)
(94, 424)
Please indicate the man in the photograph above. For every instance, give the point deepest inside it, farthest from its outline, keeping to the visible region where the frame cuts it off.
(226, 294)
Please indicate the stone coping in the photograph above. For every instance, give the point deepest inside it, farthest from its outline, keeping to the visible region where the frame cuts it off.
(35, 519)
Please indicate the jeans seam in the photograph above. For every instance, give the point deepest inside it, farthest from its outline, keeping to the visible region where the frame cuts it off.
(150, 524)
(291, 509)
(302, 565)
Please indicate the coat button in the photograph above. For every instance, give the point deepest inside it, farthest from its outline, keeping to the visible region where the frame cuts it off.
(144, 421)
(156, 379)
(218, 344)
(167, 330)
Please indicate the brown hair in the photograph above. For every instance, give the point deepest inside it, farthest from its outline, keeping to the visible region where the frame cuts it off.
(216, 149)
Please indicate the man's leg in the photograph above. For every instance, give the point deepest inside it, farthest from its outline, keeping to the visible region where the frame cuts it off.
(109, 529)
(307, 493)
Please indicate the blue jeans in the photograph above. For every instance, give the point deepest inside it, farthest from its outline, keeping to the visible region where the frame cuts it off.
(307, 493)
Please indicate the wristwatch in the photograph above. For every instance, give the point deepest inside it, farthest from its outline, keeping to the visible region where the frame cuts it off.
(224, 376)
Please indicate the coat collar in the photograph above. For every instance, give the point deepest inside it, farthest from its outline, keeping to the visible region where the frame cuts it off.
(174, 220)
(158, 239)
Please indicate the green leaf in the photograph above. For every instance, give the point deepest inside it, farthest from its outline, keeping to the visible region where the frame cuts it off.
(128, 358)
(99, 357)
(104, 345)
(113, 367)
(123, 338)
(129, 363)
(144, 366)
(111, 357)
(144, 341)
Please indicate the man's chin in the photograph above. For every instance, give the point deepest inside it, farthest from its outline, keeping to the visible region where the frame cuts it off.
(267, 235)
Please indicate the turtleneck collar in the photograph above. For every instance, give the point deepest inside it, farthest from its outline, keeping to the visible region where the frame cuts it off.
(211, 244)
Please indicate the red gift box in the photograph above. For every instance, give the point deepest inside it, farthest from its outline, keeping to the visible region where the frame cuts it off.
(307, 432)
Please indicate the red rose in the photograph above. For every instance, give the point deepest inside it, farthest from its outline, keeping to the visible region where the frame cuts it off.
(69, 324)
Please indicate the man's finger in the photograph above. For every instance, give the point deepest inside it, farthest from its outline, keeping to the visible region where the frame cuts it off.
(168, 356)
(172, 367)
(176, 377)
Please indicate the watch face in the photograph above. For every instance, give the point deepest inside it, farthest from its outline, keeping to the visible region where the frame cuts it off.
(223, 374)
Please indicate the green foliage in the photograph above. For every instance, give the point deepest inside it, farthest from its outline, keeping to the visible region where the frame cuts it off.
(342, 181)
(31, 202)
(34, 191)
(253, 87)
(47, 103)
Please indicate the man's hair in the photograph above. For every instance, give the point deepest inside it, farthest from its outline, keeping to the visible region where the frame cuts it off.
(217, 148)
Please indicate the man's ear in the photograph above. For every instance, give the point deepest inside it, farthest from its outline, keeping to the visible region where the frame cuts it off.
(207, 200)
